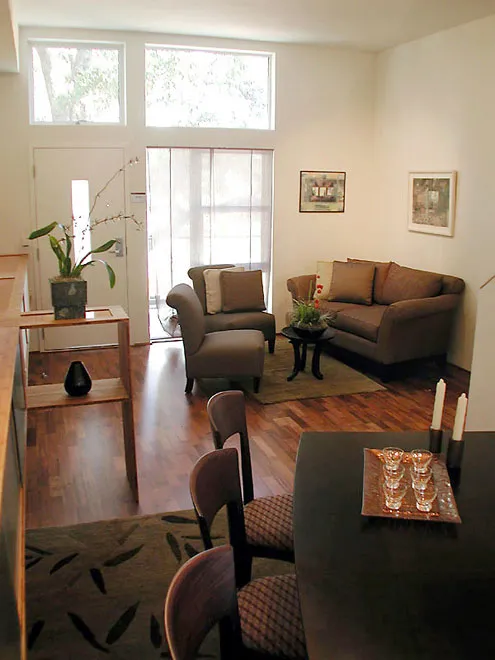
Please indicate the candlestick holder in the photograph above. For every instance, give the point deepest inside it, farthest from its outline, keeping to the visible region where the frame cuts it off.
(455, 478)
(455, 451)
(435, 441)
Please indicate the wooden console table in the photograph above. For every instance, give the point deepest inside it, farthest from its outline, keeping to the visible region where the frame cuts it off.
(16, 397)
(103, 391)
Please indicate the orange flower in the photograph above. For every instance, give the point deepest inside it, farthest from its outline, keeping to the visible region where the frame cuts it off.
(317, 304)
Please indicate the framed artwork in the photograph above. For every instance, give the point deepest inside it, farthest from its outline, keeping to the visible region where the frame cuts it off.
(322, 192)
(432, 202)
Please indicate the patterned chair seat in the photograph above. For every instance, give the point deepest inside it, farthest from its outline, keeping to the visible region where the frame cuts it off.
(268, 522)
(270, 617)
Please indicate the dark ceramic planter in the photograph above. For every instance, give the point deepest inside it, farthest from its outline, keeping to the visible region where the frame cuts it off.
(69, 298)
(77, 380)
(314, 333)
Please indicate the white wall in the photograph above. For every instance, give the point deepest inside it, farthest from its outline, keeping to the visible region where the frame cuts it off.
(481, 410)
(435, 106)
(324, 120)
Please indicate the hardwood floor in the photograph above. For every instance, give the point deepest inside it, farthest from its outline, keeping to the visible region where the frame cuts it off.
(75, 460)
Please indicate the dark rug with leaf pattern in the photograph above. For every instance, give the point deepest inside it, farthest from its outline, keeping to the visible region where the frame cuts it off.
(97, 590)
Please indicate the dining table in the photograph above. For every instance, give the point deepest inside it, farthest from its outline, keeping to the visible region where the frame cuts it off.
(388, 588)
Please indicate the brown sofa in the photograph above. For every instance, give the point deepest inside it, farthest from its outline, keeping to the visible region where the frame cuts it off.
(410, 315)
(246, 320)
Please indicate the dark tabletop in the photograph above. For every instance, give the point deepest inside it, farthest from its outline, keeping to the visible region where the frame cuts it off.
(382, 589)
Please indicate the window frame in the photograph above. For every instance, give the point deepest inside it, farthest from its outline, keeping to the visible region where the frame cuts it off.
(119, 46)
(260, 53)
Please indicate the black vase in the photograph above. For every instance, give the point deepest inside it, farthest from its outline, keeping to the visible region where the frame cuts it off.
(77, 380)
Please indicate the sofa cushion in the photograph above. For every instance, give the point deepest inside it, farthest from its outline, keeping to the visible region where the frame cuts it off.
(324, 271)
(328, 307)
(381, 271)
(352, 282)
(361, 320)
(242, 291)
(409, 284)
(212, 286)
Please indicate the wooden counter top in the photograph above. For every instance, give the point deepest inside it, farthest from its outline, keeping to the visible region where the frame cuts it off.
(13, 271)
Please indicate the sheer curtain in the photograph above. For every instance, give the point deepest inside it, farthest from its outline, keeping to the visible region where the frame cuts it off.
(207, 206)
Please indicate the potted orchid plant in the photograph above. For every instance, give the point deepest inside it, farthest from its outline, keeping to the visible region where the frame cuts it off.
(68, 288)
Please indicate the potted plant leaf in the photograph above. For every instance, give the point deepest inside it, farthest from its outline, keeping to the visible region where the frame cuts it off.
(308, 320)
(69, 288)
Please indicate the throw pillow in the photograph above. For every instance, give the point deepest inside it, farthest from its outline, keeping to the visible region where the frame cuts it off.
(242, 292)
(212, 287)
(409, 284)
(324, 270)
(352, 282)
(381, 272)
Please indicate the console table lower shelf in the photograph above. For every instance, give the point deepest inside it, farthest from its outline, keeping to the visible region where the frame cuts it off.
(108, 390)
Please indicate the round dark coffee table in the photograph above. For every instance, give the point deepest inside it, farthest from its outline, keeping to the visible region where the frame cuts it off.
(300, 353)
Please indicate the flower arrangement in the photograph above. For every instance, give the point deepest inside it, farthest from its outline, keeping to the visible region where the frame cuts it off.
(68, 267)
(307, 315)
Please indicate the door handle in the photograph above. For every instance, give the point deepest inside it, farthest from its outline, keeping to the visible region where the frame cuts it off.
(119, 247)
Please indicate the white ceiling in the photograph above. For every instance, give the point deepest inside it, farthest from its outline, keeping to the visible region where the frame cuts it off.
(364, 24)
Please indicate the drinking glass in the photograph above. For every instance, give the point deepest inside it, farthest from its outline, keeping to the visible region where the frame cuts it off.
(426, 497)
(393, 478)
(420, 479)
(421, 459)
(392, 457)
(394, 496)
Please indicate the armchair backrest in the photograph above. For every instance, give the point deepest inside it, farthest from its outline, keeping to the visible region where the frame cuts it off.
(191, 317)
(198, 280)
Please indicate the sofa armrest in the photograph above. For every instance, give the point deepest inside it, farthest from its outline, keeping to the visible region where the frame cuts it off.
(416, 328)
(417, 308)
(300, 286)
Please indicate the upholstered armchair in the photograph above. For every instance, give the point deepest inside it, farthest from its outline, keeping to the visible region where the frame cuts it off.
(242, 320)
(227, 354)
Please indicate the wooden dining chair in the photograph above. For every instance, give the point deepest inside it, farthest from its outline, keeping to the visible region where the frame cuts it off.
(268, 520)
(201, 594)
(269, 611)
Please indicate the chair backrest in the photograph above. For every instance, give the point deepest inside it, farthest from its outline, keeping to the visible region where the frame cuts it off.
(214, 484)
(203, 593)
(191, 317)
(227, 415)
(198, 280)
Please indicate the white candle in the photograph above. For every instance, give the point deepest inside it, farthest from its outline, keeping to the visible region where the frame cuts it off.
(460, 417)
(436, 422)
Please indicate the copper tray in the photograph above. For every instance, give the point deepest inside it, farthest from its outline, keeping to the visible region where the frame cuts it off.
(444, 507)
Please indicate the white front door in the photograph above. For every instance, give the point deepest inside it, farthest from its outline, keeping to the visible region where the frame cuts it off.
(67, 182)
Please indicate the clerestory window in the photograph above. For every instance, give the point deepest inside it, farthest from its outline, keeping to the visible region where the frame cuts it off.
(208, 88)
(76, 83)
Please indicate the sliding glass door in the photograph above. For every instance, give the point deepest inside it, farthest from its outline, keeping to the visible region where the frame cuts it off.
(206, 206)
